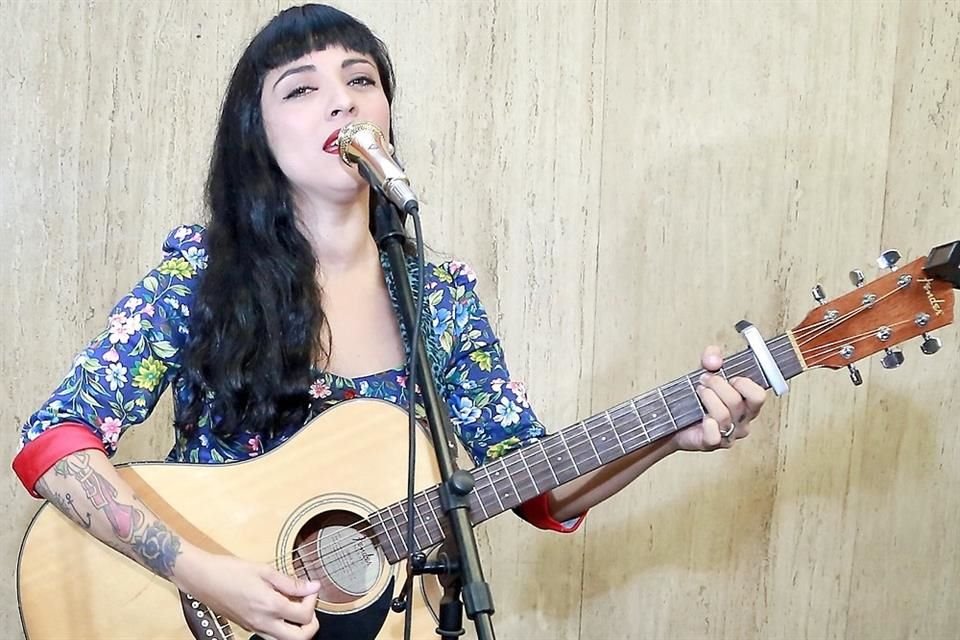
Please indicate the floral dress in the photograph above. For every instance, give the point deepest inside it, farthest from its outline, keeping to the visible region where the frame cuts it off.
(117, 380)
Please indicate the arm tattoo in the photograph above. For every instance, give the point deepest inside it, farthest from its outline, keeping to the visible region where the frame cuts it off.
(64, 503)
(151, 543)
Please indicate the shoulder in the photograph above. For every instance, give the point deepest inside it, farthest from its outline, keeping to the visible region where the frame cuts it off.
(185, 238)
(184, 250)
(459, 277)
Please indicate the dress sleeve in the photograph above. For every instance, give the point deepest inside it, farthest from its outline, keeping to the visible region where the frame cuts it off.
(489, 409)
(116, 381)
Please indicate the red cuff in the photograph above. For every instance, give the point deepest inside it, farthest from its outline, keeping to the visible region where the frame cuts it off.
(537, 513)
(37, 456)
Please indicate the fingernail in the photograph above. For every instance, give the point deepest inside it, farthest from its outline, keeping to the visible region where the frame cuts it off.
(704, 377)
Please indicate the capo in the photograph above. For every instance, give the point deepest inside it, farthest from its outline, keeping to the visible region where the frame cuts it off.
(764, 358)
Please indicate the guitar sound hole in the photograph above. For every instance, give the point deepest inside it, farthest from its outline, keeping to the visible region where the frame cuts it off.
(336, 548)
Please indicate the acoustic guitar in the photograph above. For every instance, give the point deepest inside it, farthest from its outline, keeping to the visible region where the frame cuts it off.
(331, 502)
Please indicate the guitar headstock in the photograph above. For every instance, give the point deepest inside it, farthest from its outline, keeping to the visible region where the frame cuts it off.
(906, 303)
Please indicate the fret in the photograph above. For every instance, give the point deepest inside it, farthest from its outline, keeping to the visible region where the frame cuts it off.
(613, 427)
(478, 489)
(667, 407)
(755, 368)
(684, 405)
(593, 445)
(529, 473)
(516, 492)
(573, 460)
(554, 448)
(603, 444)
(546, 459)
(693, 390)
(633, 405)
(403, 526)
(536, 458)
(496, 492)
(433, 511)
(583, 448)
(397, 529)
(427, 519)
(383, 529)
(418, 517)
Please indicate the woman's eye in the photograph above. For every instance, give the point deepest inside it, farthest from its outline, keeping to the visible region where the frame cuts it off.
(363, 81)
(299, 91)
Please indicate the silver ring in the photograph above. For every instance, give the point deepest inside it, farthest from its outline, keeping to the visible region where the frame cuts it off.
(729, 431)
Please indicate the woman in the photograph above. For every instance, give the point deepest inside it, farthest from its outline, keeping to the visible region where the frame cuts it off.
(280, 308)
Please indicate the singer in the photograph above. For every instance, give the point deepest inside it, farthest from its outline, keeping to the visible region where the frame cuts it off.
(276, 310)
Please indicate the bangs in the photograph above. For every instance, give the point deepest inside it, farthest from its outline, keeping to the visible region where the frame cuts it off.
(297, 31)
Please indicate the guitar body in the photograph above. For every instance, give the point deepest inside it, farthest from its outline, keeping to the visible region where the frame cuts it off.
(340, 467)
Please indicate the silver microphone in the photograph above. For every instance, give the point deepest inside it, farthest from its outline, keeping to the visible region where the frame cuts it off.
(362, 143)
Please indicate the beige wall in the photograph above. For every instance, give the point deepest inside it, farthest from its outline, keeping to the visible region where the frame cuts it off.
(630, 179)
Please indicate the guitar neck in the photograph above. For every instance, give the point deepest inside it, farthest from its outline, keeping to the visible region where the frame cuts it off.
(532, 470)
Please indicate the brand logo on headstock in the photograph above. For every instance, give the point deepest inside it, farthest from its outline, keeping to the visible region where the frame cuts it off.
(935, 302)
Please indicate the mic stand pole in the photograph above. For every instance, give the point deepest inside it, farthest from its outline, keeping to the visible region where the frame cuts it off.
(462, 571)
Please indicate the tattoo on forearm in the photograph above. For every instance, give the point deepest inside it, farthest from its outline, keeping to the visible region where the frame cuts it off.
(64, 503)
(151, 543)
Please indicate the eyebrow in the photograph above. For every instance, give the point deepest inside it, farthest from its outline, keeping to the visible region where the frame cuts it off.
(348, 62)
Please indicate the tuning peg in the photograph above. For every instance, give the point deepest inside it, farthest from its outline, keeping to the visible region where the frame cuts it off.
(855, 375)
(856, 278)
(893, 359)
(818, 294)
(889, 259)
(930, 345)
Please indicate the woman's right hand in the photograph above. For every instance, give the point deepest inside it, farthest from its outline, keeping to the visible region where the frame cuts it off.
(256, 596)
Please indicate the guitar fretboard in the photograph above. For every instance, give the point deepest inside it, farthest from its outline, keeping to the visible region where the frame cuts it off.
(549, 462)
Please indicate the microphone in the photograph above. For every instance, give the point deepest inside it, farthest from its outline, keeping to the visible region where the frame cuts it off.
(361, 143)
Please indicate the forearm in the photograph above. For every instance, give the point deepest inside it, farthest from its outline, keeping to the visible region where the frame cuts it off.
(577, 496)
(86, 487)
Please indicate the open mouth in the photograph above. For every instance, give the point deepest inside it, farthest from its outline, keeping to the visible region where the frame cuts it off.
(332, 145)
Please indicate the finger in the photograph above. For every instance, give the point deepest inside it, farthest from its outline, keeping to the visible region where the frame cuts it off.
(279, 630)
(712, 358)
(710, 433)
(753, 395)
(291, 586)
(729, 395)
(714, 406)
(308, 631)
(300, 611)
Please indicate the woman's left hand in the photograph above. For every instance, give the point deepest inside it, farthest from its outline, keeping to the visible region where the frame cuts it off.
(730, 406)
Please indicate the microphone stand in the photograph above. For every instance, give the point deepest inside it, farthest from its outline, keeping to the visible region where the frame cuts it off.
(460, 572)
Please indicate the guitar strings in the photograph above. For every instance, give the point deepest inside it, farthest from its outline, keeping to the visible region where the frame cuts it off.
(733, 369)
(828, 350)
(806, 334)
(850, 314)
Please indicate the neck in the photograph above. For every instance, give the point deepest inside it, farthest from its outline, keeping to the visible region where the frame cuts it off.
(525, 473)
(339, 232)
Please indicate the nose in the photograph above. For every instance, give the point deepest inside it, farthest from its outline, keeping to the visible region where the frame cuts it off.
(342, 102)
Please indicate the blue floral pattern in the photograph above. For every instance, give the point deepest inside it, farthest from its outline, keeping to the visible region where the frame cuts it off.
(117, 380)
